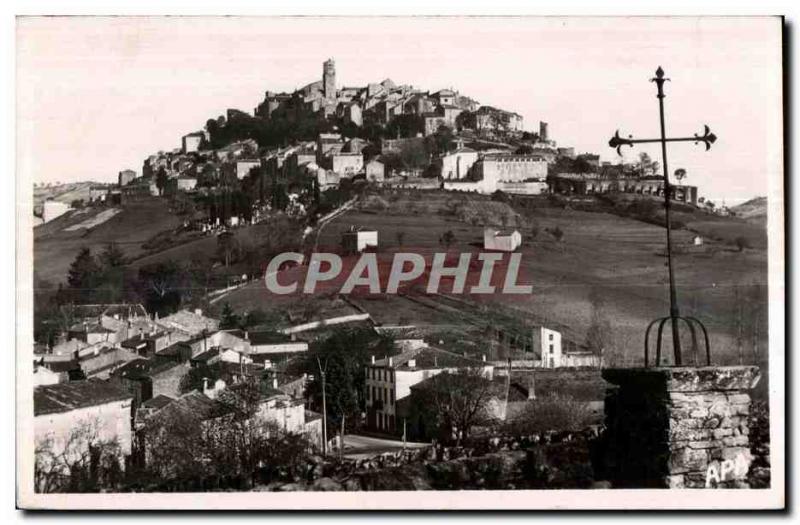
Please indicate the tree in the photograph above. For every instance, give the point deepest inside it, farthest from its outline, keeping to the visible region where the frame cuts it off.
(557, 233)
(81, 462)
(447, 239)
(229, 319)
(161, 179)
(343, 356)
(524, 149)
(227, 247)
(83, 276)
(598, 335)
(162, 286)
(455, 402)
(680, 174)
(742, 243)
(111, 280)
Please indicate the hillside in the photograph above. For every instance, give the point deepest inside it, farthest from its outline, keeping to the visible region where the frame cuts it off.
(754, 210)
(65, 193)
(602, 255)
(56, 243)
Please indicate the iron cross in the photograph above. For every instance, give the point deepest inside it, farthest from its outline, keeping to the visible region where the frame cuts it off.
(674, 317)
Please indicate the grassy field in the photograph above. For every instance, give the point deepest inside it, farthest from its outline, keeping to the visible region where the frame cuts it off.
(618, 260)
(55, 247)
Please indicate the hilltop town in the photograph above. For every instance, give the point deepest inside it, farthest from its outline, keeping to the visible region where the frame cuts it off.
(158, 344)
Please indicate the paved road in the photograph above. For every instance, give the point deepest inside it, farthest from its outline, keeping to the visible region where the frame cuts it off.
(357, 446)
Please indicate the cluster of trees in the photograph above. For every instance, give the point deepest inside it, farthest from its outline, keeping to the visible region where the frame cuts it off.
(341, 359)
(83, 462)
(233, 447)
(236, 447)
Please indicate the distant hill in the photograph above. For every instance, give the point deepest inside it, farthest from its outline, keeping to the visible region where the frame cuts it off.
(752, 210)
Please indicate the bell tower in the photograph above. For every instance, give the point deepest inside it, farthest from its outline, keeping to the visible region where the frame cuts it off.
(329, 79)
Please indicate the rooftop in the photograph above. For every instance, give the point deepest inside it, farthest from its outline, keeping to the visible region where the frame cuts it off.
(142, 368)
(427, 358)
(64, 397)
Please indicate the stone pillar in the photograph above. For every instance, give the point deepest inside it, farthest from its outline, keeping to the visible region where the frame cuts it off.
(678, 427)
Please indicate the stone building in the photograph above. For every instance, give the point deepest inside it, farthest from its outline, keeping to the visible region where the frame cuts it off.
(126, 177)
(70, 417)
(456, 164)
(358, 240)
(499, 240)
(375, 171)
(191, 142)
(344, 164)
(389, 381)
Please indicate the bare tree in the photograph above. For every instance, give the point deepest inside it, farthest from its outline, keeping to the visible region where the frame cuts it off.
(81, 462)
(457, 402)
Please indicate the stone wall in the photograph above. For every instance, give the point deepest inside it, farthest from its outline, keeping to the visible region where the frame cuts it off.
(679, 427)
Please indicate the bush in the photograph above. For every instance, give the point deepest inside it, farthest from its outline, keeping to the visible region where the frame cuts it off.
(741, 243)
(551, 411)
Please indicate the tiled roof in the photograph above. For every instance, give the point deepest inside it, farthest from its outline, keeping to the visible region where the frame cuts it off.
(268, 337)
(158, 402)
(61, 366)
(428, 358)
(189, 322)
(64, 397)
(141, 368)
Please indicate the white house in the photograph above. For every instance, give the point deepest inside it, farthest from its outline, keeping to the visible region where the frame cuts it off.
(498, 240)
(357, 240)
(456, 164)
(697, 241)
(71, 417)
(390, 379)
(52, 209)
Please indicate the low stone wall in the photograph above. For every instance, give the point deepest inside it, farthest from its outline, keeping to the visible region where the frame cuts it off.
(679, 427)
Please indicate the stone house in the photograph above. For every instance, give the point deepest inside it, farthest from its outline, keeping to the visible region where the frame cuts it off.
(126, 177)
(456, 164)
(148, 378)
(190, 323)
(375, 171)
(101, 409)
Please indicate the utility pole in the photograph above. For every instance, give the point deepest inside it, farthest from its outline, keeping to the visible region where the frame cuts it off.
(324, 409)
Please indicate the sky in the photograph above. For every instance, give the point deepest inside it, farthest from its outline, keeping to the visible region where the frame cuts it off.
(97, 95)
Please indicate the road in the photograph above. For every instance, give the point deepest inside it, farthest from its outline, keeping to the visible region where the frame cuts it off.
(360, 447)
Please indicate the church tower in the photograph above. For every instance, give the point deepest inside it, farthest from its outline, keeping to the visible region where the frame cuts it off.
(329, 79)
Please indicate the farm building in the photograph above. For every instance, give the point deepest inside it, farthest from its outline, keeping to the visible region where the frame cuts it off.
(499, 240)
(357, 240)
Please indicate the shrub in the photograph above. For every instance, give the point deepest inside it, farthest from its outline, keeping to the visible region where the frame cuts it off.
(741, 243)
(552, 411)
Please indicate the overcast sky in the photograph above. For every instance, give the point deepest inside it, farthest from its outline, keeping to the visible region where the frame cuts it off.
(97, 95)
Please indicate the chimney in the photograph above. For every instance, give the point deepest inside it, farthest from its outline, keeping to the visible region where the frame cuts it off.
(198, 311)
(391, 361)
(246, 336)
(483, 356)
(275, 383)
(205, 385)
(373, 359)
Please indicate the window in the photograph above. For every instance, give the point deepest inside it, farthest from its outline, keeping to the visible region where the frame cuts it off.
(552, 349)
(550, 337)
(373, 394)
(385, 394)
(391, 396)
